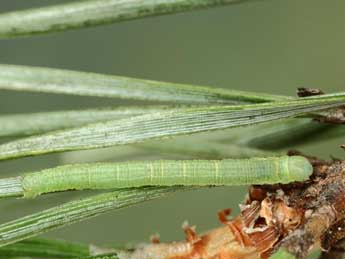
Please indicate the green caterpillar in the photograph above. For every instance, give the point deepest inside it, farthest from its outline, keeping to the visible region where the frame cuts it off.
(270, 170)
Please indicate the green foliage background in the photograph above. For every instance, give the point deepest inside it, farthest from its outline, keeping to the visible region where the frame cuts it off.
(271, 46)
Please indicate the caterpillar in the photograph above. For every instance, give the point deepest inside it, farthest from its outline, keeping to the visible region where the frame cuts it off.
(226, 172)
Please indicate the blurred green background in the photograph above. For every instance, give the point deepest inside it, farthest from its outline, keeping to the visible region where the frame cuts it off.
(271, 46)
